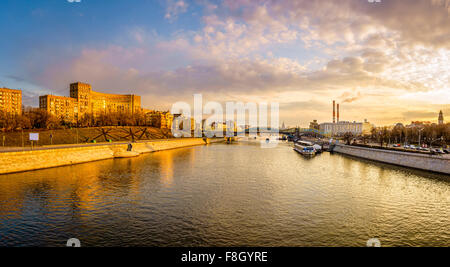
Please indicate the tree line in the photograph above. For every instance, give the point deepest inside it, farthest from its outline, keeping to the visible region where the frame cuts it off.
(36, 118)
(426, 134)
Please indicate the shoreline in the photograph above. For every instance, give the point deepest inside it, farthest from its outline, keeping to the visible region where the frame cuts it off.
(430, 163)
(64, 155)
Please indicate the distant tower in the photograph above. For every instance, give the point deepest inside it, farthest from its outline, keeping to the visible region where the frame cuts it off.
(283, 126)
(441, 118)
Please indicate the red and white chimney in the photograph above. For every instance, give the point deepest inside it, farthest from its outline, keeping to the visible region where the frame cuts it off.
(334, 111)
(337, 112)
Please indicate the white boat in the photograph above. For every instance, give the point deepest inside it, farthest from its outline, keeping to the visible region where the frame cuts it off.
(305, 148)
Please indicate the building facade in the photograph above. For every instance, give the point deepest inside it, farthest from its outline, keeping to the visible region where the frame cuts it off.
(367, 127)
(83, 100)
(159, 119)
(166, 120)
(97, 103)
(65, 108)
(341, 128)
(419, 124)
(11, 101)
(314, 125)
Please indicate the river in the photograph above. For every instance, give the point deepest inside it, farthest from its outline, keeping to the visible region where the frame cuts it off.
(226, 195)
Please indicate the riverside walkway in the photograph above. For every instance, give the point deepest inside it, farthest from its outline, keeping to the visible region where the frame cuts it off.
(63, 146)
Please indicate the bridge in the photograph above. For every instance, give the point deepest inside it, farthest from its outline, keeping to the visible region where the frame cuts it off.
(287, 132)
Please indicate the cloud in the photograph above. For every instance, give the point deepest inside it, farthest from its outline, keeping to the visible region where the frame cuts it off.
(367, 55)
(174, 8)
(417, 22)
(114, 70)
(16, 78)
(349, 97)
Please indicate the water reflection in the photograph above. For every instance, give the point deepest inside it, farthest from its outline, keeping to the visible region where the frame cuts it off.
(225, 195)
(166, 168)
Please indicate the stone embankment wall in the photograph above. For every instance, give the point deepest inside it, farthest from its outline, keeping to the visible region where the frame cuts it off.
(434, 163)
(11, 162)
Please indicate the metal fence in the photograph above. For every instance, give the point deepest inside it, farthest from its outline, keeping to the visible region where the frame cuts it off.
(82, 135)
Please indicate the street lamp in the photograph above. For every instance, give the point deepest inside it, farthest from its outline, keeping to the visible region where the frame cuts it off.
(420, 131)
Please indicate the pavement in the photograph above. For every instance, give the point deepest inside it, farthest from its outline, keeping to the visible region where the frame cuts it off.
(19, 149)
(446, 156)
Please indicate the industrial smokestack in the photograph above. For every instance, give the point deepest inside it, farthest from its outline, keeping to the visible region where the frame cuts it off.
(337, 112)
(334, 111)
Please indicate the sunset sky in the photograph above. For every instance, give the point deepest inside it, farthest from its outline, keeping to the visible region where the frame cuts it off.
(387, 62)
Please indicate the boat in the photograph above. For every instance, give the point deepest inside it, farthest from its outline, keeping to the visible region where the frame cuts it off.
(305, 148)
(318, 148)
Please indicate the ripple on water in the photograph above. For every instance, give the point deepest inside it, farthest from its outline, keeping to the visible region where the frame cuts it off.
(225, 195)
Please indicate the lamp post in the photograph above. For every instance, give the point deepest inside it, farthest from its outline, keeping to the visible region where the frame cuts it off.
(420, 132)
(406, 137)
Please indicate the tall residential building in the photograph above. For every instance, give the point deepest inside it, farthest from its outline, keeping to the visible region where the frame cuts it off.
(83, 100)
(96, 103)
(62, 107)
(10, 101)
(441, 118)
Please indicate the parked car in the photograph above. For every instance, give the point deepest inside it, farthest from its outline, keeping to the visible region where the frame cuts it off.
(447, 151)
(397, 145)
(436, 151)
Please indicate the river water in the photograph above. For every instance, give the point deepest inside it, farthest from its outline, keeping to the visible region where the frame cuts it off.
(225, 195)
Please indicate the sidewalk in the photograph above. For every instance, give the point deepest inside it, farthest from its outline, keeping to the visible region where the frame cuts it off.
(49, 147)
